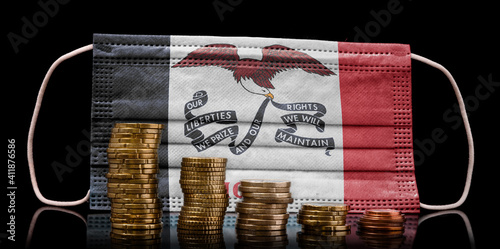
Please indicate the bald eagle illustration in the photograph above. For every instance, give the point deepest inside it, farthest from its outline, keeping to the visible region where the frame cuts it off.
(254, 75)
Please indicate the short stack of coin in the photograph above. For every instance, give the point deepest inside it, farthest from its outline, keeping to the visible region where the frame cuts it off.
(136, 209)
(262, 215)
(381, 223)
(324, 218)
(205, 202)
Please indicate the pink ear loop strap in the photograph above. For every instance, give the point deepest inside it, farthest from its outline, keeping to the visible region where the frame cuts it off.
(470, 141)
(31, 133)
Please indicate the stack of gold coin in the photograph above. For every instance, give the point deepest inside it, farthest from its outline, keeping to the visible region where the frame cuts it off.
(381, 223)
(205, 201)
(262, 215)
(324, 218)
(136, 209)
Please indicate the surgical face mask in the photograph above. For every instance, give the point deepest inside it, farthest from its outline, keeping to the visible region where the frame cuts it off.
(334, 118)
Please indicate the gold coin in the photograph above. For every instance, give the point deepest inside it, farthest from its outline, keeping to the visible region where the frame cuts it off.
(322, 213)
(202, 218)
(201, 227)
(136, 231)
(202, 182)
(203, 169)
(136, 226)
(260, 210)
(203, 213)
(266, 195)
(129, 196)
(204, 191)
(318, 217)
(203, 200)
(326, 233)
(264, 216)
(205, 159)
(260, 227)
(262, 221)
(383, 212)
(136, 130)
(207, 196)
(135, 171)
(139, 125)
(203, 209)
(135, 135)
(134, 161)
(207, 204)
(136, 205)
(135, 140)
(206, 187)
(131, 156)
(260, 205)
(203, 173)
(136, 216)
(133, 145)
(326, 206)
(189, 231)
(382, 219)
(203, 165)
(202, 177)
(134, 236)
(265, 183)
(136, 211)
(321, 222)
(139, 181)
(131, 191)
(131, 151)
(382, 228)
(137, 201)
(129, 176)
(135, 221)
(133, 166)
(263, 190)
(326, 228)
(133, 185)
(269, 233)
(268, 200)
(187, 222)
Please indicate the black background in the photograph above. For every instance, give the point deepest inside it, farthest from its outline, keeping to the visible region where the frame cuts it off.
(462, 36)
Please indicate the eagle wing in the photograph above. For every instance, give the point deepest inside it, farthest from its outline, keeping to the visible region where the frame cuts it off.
(221, 55)
(278, 58)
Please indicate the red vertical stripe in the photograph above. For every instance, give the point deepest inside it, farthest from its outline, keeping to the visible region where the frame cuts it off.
(375, 91)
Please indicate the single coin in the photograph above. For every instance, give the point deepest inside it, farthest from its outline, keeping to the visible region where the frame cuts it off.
(132, 191)
(268, 200)
(139, 125)
(375, 223)
(322, 213)
(136, 231)
(203, 191)
(207, 204)
(262, 190)
(205, 159)
(262, 221)
(203, 209)
(139, 181)
(135, 135)
(261, 205)
(201, 182)
(124, 176)
(266, 195)
(135, 221)
(383, 212)
(136, 210)
(325, 206)
(134, 236)
(203, 165)
(265, 183)
(325, 218)
(203, 173)
(136, 226)
(203, 169)
(203, 200)
(131, 151)
(131, 156)
(189, 231)
(135, 205)
(115, 166)
(382, 228)
(207, 196)
(134, 161)
(260, 210)
(134, 171)
(132, 185)
(260, 227)
(202, 177)
(136, 216)
(129, 196)
(251, 232)
(202, 218)
(203, 213)
(199, 227)
(264, 216)
(326, 233)
(187, 222)
(137, 201)
(135, 140)
(321, 222)
(382, 219)
(133, 145)
(327, 228)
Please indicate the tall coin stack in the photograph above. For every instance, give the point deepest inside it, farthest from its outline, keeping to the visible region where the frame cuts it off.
(136, 209)
(262, 215)
(205, 202)
(382, 228)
